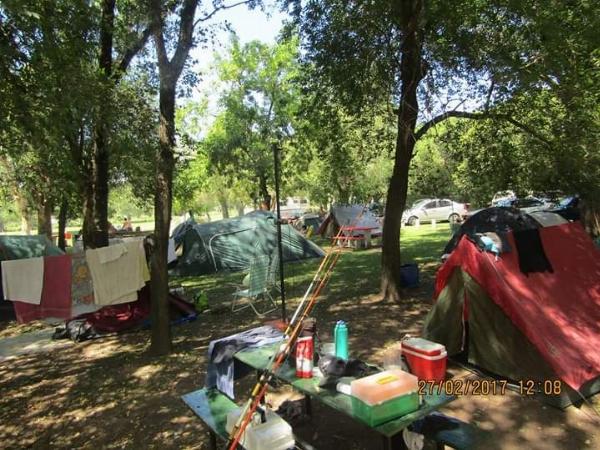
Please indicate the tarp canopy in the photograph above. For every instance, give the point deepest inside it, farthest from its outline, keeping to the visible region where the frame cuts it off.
(355, 216)
(524, 326)
(231, 244)
(21, 247)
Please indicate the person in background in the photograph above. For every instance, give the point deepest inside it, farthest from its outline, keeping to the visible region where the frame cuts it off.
(127, 225)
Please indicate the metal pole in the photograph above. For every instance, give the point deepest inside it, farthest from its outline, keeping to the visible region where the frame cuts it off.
(279, 246)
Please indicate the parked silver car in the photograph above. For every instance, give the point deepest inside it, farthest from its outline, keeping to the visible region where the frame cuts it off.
(434, 209)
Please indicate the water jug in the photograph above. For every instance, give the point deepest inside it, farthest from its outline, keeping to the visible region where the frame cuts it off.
(340, 334)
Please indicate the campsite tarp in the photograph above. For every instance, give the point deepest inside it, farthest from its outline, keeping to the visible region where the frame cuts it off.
(231, 244)
(350, 215)
(557, 312)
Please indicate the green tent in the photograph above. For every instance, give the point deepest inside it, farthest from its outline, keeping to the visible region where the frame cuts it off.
(231, 244)
(21, 247)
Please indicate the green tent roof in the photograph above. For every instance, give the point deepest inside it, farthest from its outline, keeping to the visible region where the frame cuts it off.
(21, 247)
(231, 244)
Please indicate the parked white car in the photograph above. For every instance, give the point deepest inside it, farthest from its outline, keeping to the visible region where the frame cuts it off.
(434, 209)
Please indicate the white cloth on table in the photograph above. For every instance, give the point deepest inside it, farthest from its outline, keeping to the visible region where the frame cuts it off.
(23, 280)
(118, 280)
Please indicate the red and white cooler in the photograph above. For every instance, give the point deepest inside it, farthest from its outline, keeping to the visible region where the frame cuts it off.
(426, 359)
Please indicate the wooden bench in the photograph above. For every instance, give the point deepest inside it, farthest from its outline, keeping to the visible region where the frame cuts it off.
(212, 407)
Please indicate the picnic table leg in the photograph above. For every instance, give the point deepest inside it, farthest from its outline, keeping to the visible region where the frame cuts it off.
(395, 442)
(308, 406)
(213, 440)
(367, 238)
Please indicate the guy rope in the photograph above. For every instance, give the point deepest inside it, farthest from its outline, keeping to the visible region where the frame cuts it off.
(293, 330)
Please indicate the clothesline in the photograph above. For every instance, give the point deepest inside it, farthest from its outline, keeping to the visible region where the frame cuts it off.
(67, 285)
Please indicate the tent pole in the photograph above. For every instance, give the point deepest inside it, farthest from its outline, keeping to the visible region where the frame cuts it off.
(279, 246)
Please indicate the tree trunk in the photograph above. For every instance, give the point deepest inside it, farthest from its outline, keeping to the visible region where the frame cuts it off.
(24, 212)
(100, 171)
(590, 217)
(224, 207)
(169, 72)
(88, 216)
(165, 161)
(44, 217)
(263, 190)
(101, 141)
(62, 223)
(240, 209)
(411, 74)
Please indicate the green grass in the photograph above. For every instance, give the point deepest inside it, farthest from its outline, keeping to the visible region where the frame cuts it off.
(424, 244)
(356, 274)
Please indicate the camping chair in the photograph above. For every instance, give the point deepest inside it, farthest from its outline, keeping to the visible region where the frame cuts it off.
(273, 278)
(257, 290)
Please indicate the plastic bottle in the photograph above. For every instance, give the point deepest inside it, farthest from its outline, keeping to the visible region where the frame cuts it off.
(340, 334)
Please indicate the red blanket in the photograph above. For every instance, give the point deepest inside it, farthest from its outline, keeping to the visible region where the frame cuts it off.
(56, 293)
(558, 312)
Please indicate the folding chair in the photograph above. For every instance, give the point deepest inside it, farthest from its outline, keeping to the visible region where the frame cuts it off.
(258, 288)
(273, 277)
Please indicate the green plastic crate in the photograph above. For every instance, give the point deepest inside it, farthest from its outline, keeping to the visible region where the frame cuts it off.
(374, 415)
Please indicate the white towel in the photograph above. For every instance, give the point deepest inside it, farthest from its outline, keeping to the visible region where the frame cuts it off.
(118, 281)
(111, 253)
(23, 280)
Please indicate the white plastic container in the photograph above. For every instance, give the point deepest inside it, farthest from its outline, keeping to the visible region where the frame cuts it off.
(274, 434)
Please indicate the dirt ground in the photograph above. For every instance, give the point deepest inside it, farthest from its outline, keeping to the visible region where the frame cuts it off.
(110, 393)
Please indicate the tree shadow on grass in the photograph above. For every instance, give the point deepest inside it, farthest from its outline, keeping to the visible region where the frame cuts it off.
(111, 394)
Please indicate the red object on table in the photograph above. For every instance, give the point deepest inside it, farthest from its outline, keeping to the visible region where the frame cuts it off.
(428, 368)
(427, 360)
(304, 356)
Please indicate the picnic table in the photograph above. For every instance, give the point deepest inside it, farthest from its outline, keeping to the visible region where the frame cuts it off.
(212, 407)
(347, 234)
(258, 359)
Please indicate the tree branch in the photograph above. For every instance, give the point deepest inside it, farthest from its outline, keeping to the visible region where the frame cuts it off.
(186, 36)
(156, 25)
(220, 8)
(130, 52)
(479, 116)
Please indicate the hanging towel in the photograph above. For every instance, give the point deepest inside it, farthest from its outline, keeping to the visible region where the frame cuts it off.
(82, 289)
(532, 257)
(23, 279)
(112, 253)
(56, 293)
(118, 281)
(220, 371)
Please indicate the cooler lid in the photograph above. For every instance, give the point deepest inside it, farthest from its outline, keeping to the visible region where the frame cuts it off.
(423, 346)
(384, 386)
